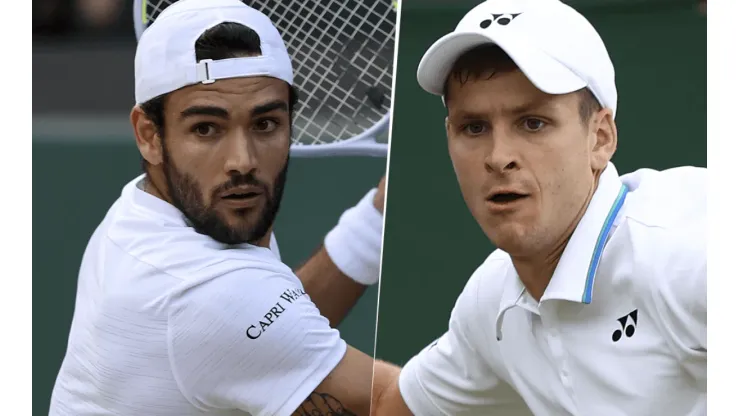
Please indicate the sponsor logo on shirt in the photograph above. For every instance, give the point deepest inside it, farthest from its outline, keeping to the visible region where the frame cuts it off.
(286, 299)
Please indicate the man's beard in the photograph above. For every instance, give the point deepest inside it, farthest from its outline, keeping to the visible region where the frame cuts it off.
(185, 196)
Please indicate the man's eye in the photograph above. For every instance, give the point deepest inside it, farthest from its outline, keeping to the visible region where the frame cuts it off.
(265, 125)
(474, 129)
(204, 129)
(533, 124)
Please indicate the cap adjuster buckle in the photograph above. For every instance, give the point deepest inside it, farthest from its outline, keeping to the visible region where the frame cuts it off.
(203, 71)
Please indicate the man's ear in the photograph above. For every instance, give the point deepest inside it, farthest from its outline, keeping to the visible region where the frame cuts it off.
(147, 138)
(603, 134)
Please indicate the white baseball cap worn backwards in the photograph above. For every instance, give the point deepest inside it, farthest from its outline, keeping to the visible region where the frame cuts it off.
(165, 56)
(552, 44)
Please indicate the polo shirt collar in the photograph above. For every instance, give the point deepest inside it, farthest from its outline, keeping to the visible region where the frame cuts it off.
(574, 275)
(154, 206)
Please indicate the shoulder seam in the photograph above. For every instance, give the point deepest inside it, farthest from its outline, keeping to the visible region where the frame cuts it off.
(139, 259)
(157, 268)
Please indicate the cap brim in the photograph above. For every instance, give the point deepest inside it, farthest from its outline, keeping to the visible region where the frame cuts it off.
(546, 73)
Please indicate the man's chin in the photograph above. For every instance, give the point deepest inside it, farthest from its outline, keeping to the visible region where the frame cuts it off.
(239, 234)
(510, 237)
(248, 228)
(250, 225)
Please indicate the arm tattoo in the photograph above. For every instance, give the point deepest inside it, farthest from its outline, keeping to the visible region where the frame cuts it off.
(322, 404)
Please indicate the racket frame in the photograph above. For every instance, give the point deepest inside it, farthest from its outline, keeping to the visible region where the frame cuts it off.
(364, 144)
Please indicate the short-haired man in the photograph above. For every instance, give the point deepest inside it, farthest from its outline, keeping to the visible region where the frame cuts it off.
(595, 301)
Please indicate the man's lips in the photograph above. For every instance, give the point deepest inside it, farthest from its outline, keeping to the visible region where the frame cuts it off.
(503, 200)
(242, 192)
(242, 197)
(505, 195)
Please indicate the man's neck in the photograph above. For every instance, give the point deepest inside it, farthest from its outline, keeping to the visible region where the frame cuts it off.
(535, 271)
(264, 242)
(154, 187)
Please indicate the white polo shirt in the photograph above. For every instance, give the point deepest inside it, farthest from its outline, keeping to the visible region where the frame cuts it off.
(620, 330)
(170, 322)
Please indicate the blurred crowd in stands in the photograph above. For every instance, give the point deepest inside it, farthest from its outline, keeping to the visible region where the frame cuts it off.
(104, 18)
(71, 18)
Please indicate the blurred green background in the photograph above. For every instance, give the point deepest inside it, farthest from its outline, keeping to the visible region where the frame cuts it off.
(432, 244)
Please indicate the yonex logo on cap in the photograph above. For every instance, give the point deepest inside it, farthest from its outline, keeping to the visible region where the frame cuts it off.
(502, 18)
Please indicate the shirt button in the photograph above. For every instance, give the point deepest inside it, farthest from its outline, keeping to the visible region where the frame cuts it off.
(564, 378)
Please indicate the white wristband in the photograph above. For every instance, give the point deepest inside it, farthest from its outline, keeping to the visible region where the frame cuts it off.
(354, 243)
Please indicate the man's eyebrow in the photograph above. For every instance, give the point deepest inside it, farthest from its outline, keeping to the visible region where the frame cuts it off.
(272, 105)
(470, 115)
(539, 104)
(204, 110)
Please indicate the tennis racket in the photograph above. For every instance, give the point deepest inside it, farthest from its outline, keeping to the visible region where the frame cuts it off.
(342, 53)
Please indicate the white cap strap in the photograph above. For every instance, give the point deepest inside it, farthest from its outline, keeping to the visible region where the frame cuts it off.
(208, 71)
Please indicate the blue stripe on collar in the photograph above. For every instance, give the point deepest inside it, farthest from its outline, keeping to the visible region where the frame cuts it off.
(601, 243)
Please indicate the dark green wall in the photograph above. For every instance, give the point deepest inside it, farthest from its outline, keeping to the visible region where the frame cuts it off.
(73, 186)
(432, 244)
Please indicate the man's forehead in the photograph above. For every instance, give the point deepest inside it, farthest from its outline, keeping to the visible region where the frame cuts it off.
(507, 91)
(244, 92)
(512, 80)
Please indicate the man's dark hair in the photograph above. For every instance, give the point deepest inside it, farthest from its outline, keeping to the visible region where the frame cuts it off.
(223, 41)
(489, 59)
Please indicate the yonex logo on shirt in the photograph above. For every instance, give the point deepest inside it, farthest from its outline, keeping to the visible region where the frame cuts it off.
(627, 328)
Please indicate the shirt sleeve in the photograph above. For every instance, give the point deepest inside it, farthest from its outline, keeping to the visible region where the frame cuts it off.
(249, 343)
(450, 377)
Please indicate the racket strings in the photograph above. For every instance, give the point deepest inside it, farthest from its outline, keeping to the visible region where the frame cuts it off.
(370, 63)
(352, 38)
(343, 105)
(339, 49)
(155, 7)
(363, 64)
(310, 129)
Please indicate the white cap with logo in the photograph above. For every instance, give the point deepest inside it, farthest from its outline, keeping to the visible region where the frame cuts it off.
(552, 44)
(165, 56)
